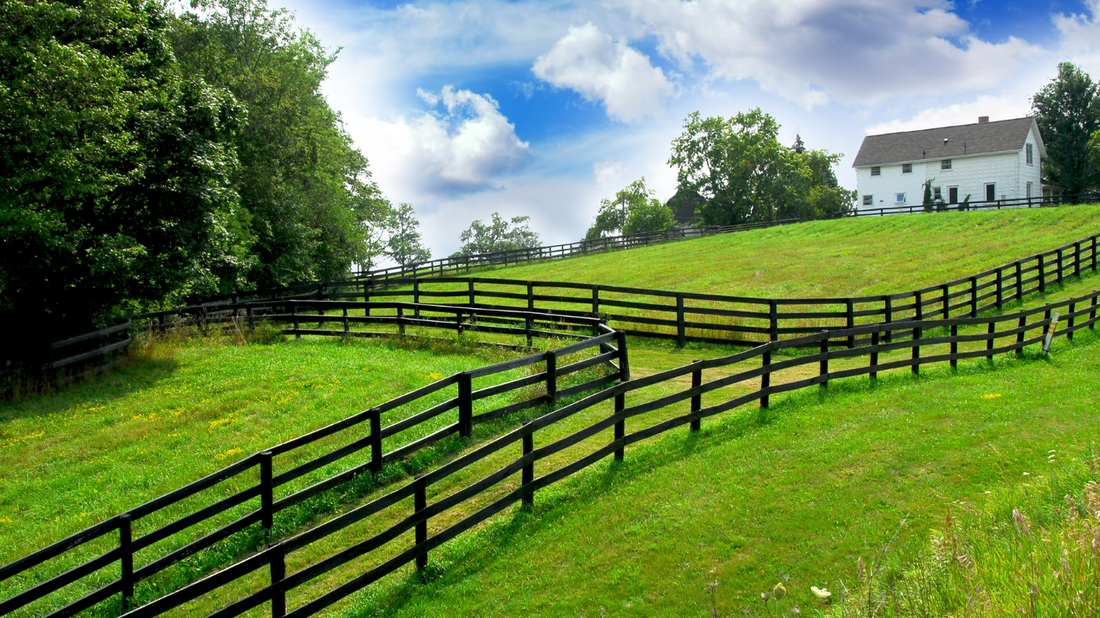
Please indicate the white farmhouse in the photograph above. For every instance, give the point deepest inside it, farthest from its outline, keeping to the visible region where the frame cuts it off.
(986, 161)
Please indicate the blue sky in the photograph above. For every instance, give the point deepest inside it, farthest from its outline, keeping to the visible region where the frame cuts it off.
(542, 108)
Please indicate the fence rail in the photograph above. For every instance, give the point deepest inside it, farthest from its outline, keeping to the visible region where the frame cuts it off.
(1003, 334)
(369, 448)
(82, 356)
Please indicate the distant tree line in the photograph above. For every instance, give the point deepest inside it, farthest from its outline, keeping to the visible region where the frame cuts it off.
(150, 157)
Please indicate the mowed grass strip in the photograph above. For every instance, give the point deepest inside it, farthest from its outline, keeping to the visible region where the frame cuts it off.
(694, 523)
(848, 257)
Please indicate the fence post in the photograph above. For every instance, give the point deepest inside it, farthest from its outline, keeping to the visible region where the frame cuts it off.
(1019, 281)
(595, 301)
(973, 297)
(126, 560)
(278, 573)
(1042, 276)
(916, 350)
(889, 313)
(681, 335)
(823, 365)
(1000, 288)
(1059, 279)
(345, 320)
(620, 427)
(528, 468)
(851, 321)
(946, 302)
(1077, 258)
(552, 376)
(1094, 253)
(954, 346)
(267, 497)
(624, 360)
(696, 399)
(465, 404)
(1092, 315)
(294, 314)
(918, 307)
(874, 354)
(400, 319)
(471, 291)
(416, 298)
(773, 320)
(1069, 321)
(420, 502)
(766, 377)
(530, 296)
(376, 440)
(1020, 335)
(991, 332)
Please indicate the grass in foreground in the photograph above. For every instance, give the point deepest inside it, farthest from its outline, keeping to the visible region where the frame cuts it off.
(848, 257)
(701, 525)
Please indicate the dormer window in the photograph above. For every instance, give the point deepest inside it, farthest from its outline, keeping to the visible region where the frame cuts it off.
(906, 168)
(876, 171)
(945, 164)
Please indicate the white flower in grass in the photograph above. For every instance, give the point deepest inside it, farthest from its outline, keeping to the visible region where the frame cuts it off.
(821, 593)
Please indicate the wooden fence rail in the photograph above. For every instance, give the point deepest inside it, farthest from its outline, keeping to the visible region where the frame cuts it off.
(1002, 334)
(369, 446)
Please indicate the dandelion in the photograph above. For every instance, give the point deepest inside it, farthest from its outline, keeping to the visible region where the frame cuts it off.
(991, 395)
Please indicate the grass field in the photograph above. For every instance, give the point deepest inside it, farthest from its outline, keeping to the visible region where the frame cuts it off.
(744, 501)
(848, 257)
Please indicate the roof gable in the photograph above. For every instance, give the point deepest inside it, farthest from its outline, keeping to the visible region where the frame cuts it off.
(961, 140)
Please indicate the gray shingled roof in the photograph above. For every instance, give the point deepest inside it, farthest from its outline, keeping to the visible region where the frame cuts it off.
(966, 139)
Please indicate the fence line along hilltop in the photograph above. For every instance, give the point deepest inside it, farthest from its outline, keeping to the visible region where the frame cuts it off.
(894, 346)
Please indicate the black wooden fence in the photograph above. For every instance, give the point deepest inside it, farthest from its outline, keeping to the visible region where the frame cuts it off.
(686, 316)
(70, 359)
(364, 446)
(409, 504)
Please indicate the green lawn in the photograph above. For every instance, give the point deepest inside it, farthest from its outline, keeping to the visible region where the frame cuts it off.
(849, 257)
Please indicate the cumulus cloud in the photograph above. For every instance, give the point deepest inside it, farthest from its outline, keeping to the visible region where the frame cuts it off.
(459, 149)
(1080, 35)
(814, 51)
(587, 61)
(996, 107)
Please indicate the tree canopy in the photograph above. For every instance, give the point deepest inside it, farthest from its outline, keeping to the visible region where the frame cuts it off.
(633, 210)
(1067, 112)
(743, 173)
(499, 235)
(404, 245)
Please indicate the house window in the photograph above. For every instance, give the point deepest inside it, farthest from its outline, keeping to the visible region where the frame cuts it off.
(1029, 160)
(990, 192)
(945, 164)
(876, 171)
(869, 200)
(899, 198)
(906, 168)
(952, 195)
(1029, 186)
(937, 194)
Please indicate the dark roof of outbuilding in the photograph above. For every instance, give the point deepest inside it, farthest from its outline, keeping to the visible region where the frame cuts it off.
(966, 139)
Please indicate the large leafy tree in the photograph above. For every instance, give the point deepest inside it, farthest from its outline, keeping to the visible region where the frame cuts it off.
(116, 188)
(499, 235)
(743, 173)
(633, 210)
(1067, 111)
(313, 208)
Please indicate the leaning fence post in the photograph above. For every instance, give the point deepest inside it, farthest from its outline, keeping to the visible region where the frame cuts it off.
(465, 404)
(126, 549)
(681, 335)
(620, 426)
(954, 346)
(278, 573)
(420, 502)
(528, 468)
(376, 440)
(552, 376)
(696, 399)
(267, 497)
(766, 376)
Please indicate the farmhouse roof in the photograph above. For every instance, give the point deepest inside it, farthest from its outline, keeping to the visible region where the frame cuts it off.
(947, 142)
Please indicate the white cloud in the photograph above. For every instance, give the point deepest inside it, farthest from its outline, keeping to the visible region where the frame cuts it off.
(1081, 38)
(461, 151)
(996, 107)
(853, 51)
(588, 62)
(608, 173)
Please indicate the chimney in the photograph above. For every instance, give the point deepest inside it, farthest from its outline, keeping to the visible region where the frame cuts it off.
(983, 119)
